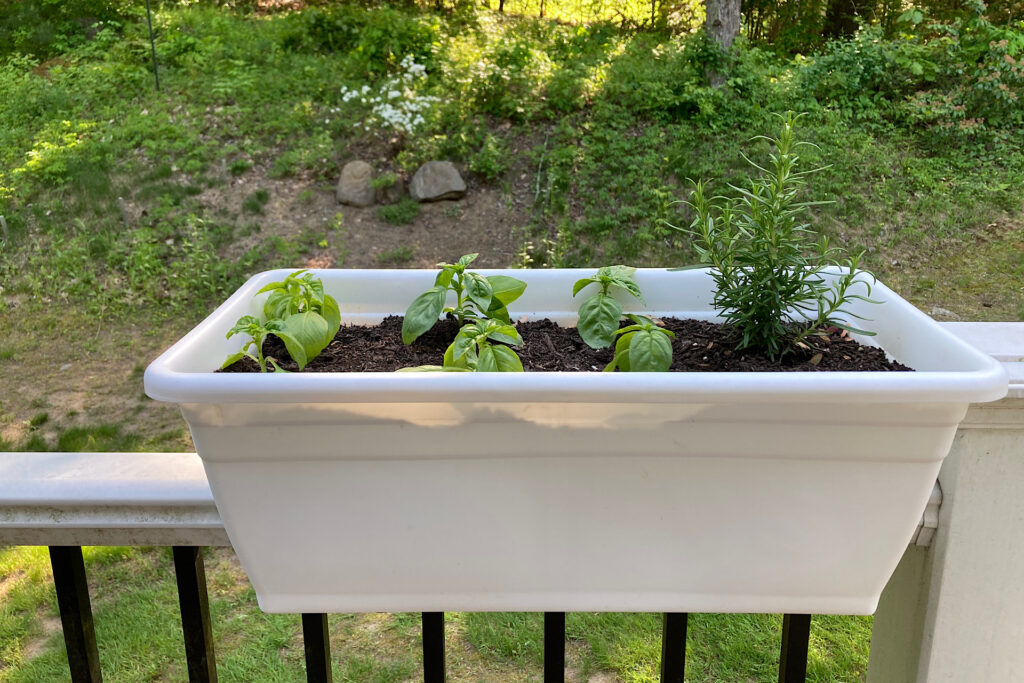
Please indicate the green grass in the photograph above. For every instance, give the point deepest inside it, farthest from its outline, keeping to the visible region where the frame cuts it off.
(403, 212)
(138, 632)
(397, 256)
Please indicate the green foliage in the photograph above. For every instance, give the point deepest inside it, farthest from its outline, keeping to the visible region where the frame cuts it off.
(642, 347)
(299, 313)
(397, 256)
(384, 180)
(610, 121)
(599, 314)
(43, 28)
(255, 201)
(768, 276)
(251, 326)
(492, 159)
(402, 212)
(377, 38)
(960, 79)
(476, 296)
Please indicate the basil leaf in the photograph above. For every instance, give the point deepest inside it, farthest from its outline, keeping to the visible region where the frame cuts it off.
(232, 359)
(505, 359)
(332, 314)
(580, 284)
(271, 287)
(630, 286)
(498, 312)
(423, 313)
(278, 305)
(467, 259)
(444, 278)
(316, 287)
(598, 320)
(278, 370)
(245, 325)
(506, 334)
(505, 289)
(308, 329)
(466, 362)
(479, 290)
(431, 368)
(463, 344)
(295, 348)
(622, 352)
(617, 272)
(649, 351)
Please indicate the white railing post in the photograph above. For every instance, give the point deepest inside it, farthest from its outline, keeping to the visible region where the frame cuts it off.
(954, 611)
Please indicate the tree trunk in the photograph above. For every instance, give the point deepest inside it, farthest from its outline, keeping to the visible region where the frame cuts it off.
(841, 17)
(722, 25)
(723, 21)
(501, 5)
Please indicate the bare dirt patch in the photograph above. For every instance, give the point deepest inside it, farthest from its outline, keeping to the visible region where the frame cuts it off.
(90, 374)
(8, 582)
(487, 221)
(33, 648)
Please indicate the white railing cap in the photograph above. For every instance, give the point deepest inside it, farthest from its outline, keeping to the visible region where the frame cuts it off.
(103, 479)
(1002, 341)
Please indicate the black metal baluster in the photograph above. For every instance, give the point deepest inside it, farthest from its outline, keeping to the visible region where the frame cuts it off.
(75, 613)
(796, 633)
(673, 646)
(152, 45)
(554, 647)
(433, 647)
(190, 573)
(317, 641)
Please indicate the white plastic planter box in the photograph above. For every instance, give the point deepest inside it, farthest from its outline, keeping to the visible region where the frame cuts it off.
(688, 492)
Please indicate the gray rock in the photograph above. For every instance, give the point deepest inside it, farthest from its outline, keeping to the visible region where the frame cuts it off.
(354, 188)
(436, 180)
(940, 312)
(392, 193)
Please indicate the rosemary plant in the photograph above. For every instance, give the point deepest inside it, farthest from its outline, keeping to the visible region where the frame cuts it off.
(768, 270)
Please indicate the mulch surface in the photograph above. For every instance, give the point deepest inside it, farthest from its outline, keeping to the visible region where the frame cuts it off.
(699, 346)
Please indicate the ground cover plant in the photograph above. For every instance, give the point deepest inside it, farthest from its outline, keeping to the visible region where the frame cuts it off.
(125, 214)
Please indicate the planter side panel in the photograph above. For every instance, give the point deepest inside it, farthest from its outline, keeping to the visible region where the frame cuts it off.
(573, 506)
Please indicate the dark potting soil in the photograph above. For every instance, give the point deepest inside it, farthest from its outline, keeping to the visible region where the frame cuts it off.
(699, 346)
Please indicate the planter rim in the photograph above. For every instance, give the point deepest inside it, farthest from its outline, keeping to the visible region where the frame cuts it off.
(986, 380)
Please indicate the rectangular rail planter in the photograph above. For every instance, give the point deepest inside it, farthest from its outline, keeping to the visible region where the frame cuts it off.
(679, 492)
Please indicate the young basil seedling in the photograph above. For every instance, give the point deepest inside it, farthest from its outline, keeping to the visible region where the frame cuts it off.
(473, 350)
(642, 347)
(599, 315)
(299, 313)
(303, 294)
(251, 325)
(476, 296)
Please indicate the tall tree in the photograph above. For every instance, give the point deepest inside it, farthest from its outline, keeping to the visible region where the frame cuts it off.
(723, 21)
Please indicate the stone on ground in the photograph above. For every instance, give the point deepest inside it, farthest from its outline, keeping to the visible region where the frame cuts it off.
(354, 188)
(391, 194)
(436, 180)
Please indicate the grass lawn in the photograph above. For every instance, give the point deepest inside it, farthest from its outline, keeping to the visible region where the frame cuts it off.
(139, 634)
